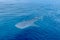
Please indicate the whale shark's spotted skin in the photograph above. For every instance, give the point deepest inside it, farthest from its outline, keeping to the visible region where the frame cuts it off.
(27, 23)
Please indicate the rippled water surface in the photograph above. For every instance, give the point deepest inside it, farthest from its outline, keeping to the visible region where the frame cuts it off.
(48, 27)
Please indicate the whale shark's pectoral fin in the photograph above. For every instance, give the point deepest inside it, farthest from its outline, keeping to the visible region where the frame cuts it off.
(34, 25)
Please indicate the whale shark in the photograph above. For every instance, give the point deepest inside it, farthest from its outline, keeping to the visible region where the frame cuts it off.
(25, 24)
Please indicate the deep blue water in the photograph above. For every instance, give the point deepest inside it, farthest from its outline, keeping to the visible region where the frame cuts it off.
(48, 28)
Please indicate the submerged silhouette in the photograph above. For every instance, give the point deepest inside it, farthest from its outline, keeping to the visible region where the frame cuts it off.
(27, 23)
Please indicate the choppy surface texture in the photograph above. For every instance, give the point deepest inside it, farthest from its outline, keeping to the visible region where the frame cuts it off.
(48, 27)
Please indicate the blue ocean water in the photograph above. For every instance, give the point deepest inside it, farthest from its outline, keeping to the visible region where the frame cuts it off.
(48, 28)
